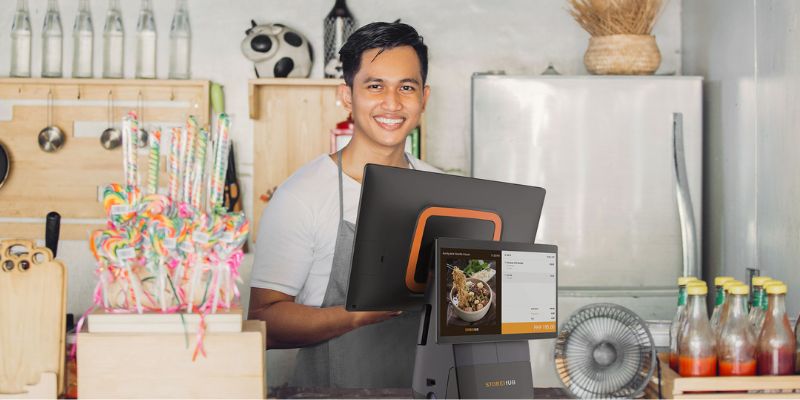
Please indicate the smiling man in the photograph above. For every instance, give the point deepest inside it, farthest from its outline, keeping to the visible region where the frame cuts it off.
(302, 261)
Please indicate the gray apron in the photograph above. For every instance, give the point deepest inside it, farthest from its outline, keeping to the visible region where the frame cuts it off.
(375, 356)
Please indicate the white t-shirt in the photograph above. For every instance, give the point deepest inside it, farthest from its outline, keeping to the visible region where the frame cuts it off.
(297, 231)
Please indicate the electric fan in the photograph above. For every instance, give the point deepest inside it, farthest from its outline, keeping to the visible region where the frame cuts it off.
(605, 351)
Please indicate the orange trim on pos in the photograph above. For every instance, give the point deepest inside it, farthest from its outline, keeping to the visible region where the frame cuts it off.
(419, 230)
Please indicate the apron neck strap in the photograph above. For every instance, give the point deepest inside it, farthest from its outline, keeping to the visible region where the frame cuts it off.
(341, 191)
(341, 186)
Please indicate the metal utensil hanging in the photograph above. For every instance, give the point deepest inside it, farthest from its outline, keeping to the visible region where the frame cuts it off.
(111, 138)
(51, 138)
(143, 135)
(5, 165)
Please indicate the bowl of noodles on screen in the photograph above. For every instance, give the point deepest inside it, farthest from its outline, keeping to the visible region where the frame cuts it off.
(471, 297)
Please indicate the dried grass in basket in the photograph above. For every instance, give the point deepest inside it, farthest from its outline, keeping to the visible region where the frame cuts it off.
(621, 43)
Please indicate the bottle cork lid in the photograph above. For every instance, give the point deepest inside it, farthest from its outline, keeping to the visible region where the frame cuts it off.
(772, 282)
(683, 280)
(720, 280)
(777, 288)
(760, 280)
(730, 283)
(696, 290)
(739, 289)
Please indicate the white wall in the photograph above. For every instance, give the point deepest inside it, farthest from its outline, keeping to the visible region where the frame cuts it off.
(464, 36)
(747, 49)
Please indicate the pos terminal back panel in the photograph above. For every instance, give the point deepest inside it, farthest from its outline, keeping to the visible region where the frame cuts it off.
(403, 211)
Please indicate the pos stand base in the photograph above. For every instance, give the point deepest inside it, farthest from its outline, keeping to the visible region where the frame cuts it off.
(469, 370)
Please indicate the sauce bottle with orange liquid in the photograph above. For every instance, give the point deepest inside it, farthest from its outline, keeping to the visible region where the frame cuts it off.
(697, 347)
(678, 321)
(736, 342)
(759, 298)
(719, 291)
(724, 312)
(776, 347)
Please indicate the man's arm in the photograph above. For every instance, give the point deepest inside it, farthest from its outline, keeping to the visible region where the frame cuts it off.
(291, 325)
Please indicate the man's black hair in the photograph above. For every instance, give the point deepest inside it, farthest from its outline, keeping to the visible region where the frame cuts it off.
(383, 36)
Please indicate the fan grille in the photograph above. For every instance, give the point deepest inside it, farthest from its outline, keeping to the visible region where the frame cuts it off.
(604, 351)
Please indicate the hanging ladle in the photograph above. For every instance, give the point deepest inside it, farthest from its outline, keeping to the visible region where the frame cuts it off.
(143, 135)
(111, 138)
(52, 137)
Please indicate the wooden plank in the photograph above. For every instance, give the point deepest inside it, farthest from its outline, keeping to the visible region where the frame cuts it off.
(292, 123)
(255, 85)
(293, 128)
(32, 315)
(736, 383)
(67, 181)
(99, 321)
(720, 387)
(118, 365)
(296, 82)
(725, 395)
(46, 388)
(35, 231)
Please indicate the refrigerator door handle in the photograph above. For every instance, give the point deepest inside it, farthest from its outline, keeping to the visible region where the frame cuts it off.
(685, 209)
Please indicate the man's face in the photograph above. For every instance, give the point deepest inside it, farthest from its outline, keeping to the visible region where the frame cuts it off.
(387, 98)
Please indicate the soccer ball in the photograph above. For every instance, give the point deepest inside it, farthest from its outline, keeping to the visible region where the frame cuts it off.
(277, 51)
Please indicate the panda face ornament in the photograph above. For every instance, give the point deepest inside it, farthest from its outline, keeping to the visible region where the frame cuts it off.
(277, 51)
(387, 98)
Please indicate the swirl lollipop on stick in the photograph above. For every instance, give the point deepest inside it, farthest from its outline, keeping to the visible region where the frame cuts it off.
(119, 203)
(220, 162)
(189, 161)
(199, 168)
(130, 134)
(154, 162)
(173, 163)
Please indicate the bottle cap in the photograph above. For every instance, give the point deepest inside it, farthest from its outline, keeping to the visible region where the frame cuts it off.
(720, 280)
(730, 283)
(697, 290)
(760, 280)
(683, 280)
(777, 288)
(739, 289)
(771, 282)
(696, 282)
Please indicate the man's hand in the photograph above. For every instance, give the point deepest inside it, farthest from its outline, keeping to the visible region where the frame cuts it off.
(291, 325)
(364, 318)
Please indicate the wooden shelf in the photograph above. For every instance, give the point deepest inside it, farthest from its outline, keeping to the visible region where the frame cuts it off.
(292, 123)
(674, 386)
(256, 84)
(67, 181)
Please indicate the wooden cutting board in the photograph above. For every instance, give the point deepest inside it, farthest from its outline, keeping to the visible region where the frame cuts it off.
(33, 289)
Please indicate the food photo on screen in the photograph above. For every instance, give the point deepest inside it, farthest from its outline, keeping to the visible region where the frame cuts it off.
(471, 294)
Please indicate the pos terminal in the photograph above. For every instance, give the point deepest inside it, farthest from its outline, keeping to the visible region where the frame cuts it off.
(415, 228)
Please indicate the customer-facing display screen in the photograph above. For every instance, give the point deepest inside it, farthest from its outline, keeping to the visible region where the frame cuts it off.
(496, 292)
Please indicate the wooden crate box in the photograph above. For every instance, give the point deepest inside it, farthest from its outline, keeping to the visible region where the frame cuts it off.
(673, 386)
(159, 365)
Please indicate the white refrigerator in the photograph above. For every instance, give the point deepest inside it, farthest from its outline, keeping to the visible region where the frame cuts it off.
(621, 160)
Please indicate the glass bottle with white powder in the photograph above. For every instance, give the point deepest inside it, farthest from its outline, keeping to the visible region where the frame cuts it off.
(180, 43)
(52, 42)
(113, 42)
(21, 41)
(146, 42)
(83, 46)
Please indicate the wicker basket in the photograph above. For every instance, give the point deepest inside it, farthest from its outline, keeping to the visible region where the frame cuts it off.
(622, 55)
